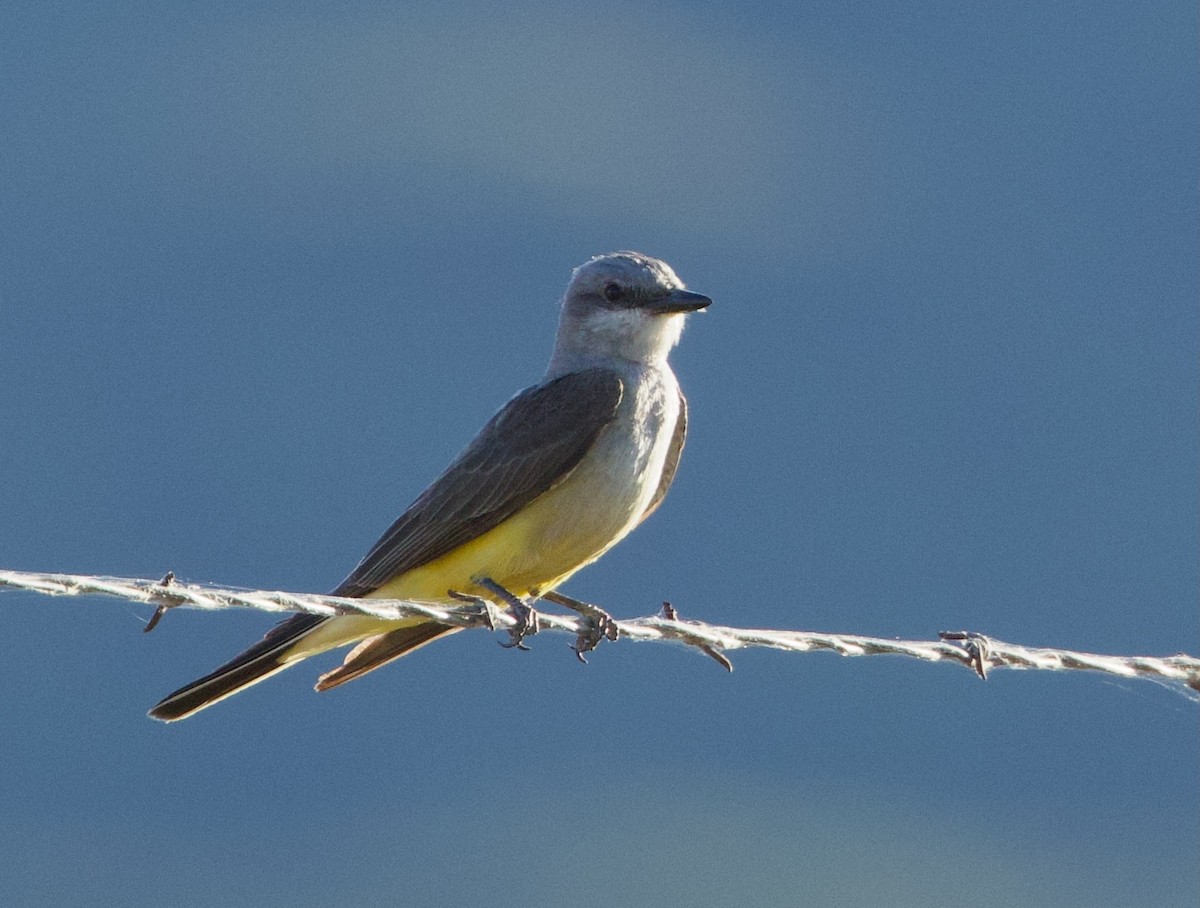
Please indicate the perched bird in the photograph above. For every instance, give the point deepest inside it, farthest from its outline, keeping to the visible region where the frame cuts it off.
(564, 471)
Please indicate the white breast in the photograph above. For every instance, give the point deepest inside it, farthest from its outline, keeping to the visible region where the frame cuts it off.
(608, 492)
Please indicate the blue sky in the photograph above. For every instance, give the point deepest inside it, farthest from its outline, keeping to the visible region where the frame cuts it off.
(268, 267)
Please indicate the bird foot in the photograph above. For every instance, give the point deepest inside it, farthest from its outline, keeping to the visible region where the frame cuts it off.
(527, 618)
(599, 624)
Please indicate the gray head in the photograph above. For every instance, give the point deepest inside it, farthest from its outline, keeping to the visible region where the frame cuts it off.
(624, 305)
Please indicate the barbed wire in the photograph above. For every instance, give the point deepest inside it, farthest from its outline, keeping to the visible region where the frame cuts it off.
(976, 651)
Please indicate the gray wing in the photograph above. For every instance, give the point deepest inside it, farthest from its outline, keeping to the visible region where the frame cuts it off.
(671, 464)
(526, 449)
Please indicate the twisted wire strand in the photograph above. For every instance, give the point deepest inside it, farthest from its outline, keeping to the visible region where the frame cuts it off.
(976, 651)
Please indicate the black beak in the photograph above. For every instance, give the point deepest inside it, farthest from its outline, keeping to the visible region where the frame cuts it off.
(678, 301)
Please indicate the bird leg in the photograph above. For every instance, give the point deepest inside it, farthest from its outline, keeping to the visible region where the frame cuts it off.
(599, 623)
(527, 619)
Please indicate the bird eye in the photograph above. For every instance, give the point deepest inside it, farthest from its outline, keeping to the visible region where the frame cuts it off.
(613, 292)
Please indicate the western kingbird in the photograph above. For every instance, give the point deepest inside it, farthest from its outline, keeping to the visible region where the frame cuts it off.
(561, 474)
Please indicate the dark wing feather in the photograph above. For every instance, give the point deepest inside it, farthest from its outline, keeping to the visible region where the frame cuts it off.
(524, 451)
(671, 464)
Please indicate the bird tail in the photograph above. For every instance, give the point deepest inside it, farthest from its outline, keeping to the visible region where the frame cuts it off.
(382, 649)
(275, 652)
(297, 638)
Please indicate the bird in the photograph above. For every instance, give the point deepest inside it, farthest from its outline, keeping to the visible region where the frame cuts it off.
(561, 473)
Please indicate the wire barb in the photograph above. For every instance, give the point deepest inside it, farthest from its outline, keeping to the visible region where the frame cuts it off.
(977, 647)
(163, 605)
(975, 651)
(669, 613)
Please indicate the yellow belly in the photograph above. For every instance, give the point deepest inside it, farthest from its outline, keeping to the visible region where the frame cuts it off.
(530, 553)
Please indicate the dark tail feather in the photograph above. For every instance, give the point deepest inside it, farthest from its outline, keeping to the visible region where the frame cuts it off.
(260, 661)
(381, 649)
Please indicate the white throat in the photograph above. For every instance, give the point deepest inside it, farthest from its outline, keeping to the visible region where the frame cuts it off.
(604, 335)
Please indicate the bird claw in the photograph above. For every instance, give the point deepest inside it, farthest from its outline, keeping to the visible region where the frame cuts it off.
(527, 625)
(527, 618)
(589, 638)
(598, 624)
